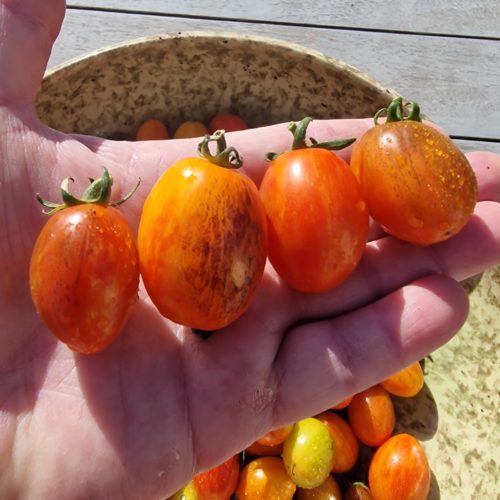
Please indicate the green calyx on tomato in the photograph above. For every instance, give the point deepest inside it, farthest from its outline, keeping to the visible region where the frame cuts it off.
(299, 130)
(395, 112)
(98, 192)
(227, 157)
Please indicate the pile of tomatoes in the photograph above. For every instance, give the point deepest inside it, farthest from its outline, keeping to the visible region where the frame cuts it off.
(320, 458)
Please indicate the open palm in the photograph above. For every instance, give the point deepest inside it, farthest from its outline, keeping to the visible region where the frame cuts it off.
(139, 419)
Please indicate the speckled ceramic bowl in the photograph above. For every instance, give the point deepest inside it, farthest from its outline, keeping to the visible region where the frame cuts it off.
(193, 76)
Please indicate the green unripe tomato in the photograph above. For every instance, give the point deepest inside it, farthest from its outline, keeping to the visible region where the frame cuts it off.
(186, 493)
(308, 453)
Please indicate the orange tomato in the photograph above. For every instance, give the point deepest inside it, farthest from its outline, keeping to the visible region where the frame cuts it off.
(405, 383)
(418, 185)
(228, 122)
(84, 273)
(152, 130)
(343, 404)
(202, 243)
(345, 442)
(399, 469)
(265, 478)
(277, 436)
(190, 129)
(328, 490)
(220, 482)
(371, 416)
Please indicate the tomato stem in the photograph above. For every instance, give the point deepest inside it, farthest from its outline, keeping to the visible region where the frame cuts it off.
(98, 192)
(227, 157)
(395, 112)
(299, 131)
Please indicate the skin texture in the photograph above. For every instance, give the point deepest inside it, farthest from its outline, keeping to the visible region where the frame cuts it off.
(399, 469)
(218, 219)
(300, 188)
(141, 418)
(84, 275)
(418, 185)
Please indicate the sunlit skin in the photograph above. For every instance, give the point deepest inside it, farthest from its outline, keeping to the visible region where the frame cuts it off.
(371, 415)
(318, 222)
(418, 185)
(84, 275)
(406, 383)
(265, 478)
(139, 419)
(399, 469)
(202, 244)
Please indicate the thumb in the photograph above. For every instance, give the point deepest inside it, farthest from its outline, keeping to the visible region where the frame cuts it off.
(28, 29)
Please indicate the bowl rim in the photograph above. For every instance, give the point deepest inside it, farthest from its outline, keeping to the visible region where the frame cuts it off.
(353, 71)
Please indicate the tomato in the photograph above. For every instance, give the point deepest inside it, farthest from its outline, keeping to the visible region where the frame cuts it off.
(371, 416)
(265, 478)
(328, 490)
(202, 242)
(262, 450)
(228, 122)
(399, 469)
(190, 129)
(345, 442)
(277, 436)
(343, 404)
(220, 482)
(187, 493)
(318, 221)
(308, 453)
(357, 491)
(84, 271)
(418, 185)
(152, 130)
(405, 383)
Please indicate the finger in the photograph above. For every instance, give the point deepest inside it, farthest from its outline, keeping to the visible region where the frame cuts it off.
(486, 165)
(322, 363)
(29, 28)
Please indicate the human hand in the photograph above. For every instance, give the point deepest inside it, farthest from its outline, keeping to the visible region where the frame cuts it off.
(160, 404)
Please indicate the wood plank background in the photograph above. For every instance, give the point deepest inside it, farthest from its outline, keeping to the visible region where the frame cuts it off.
(445, 55)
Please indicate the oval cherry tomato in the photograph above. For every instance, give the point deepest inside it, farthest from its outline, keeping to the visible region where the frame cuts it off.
(308, 453)
(190, 129)
(318, 221)
(265, 478)
(371, 416)
(202, 243)
(84, 274)
(345, 442)
(418, 185)
(220, 482)
(262, 450)
(399, 469)
(405, 383)
(228, 122)
(152, 130)
(357, 491)
(277, 436)
(328, 490)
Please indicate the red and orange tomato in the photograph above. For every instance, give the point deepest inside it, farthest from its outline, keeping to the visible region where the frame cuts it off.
(220, 482)
(152, 130)
(84, 273)
(202, 243)
(371, 416)
(418, 185)
(406, 383)
(189, 129)
(229, 122)
(399, 469)
(318, 221)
